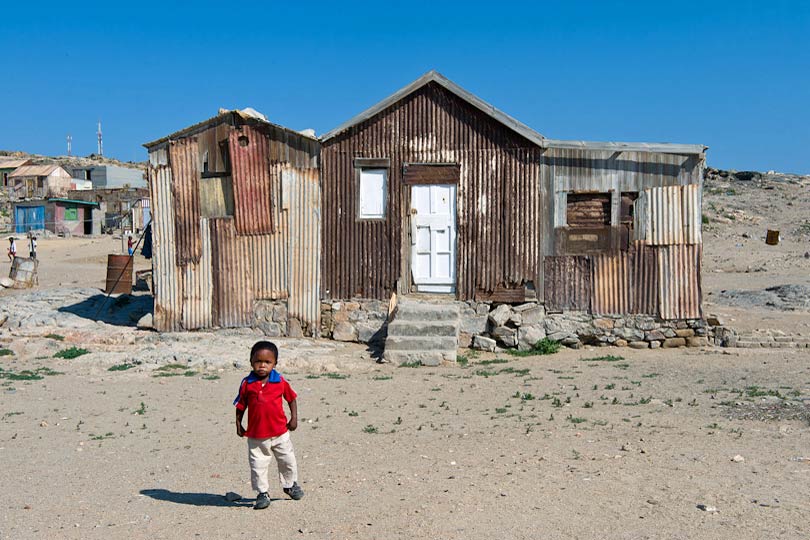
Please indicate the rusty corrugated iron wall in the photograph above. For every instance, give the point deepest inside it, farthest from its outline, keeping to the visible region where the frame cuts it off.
(167, 277)
(232, 303)
(183, 156)
(252, 190)
(644, 280)
(612, 283)
(305, 246)
(198, 286)
(679, 269)
(568, 283)
(501, 196)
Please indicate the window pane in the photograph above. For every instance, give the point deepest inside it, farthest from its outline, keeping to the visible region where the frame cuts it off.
(372, 193)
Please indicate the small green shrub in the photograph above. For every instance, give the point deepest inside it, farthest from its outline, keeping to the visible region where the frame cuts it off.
(121, 367)
(6, 352)
(543, 347)
(70, 353)
(369, 429)
(56, 337)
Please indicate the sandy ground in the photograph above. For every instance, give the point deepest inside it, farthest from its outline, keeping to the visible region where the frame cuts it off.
(574, 445)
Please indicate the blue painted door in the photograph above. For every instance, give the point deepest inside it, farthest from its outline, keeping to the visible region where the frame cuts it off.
(29, 218)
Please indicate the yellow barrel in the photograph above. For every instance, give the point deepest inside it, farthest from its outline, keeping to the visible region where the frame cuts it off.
(119, 274)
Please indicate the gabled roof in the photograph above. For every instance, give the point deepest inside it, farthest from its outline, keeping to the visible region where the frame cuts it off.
(37, 170)
(247, 115)
(513, 124)
(434, 76)
(13, 163)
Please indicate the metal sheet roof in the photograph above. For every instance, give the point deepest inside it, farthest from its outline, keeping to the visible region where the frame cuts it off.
(37, 170)
(13, 163)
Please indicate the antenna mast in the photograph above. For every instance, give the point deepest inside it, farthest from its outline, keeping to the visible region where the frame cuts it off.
(69, 140)
(100, 143)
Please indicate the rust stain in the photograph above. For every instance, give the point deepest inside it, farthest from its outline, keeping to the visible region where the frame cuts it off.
(186, 193)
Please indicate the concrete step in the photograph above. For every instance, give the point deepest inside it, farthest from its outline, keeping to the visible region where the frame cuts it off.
(421, 343)
(426, 358)
(422, 328)
(426, 312)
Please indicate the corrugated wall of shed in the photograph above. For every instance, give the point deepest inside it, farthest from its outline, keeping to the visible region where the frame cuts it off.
(567, 283)
(232, 303)
(167, 277)
(198, 286)
(679, 268)
(500, 193)
(186, 192)
(612, 289)
(673, 215)
(304, 301)
(644, 280)
(250, 171)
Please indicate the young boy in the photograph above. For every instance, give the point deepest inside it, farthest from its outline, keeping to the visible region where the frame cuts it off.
(12, 248)
(268, 430)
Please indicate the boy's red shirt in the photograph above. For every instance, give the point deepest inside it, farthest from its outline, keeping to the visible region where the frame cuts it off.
(265, 411)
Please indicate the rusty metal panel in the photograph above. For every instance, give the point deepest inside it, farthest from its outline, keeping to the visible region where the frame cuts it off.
(186, 194)
(304, 301)
(216, 197)
(268, 263)
(198, 286)
(644, 280)
(692, 216)
(679, 281)
(611, 283)
(500, 193)
(167, 277)
(640, 217)
(250, 169)
(673, 215)
(432, 173)
(568, 283)
(232, 295)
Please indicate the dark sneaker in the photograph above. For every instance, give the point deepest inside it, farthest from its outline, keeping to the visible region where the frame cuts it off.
(262, 501)
(295, 492)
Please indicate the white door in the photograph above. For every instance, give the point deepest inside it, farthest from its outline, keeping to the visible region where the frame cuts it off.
(433, 238)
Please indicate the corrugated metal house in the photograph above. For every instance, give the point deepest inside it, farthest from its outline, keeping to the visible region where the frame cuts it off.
(7, 166)
(60, 216)
(236, 208)
(110, 176)
(433, 190)
(39, 181)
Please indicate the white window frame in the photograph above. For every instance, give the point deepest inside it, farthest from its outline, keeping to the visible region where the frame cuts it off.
(366, 174)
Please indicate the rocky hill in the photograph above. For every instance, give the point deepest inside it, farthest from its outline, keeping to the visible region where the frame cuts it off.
(74, 161)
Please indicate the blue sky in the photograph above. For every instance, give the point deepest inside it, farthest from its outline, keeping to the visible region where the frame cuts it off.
(732, 75)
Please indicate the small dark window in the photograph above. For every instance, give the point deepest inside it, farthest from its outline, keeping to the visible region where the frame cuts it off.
(225, 154)
(243, 140)
(87, 174)
(205, 162)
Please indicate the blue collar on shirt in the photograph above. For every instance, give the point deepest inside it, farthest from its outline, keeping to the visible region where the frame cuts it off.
(275, 377)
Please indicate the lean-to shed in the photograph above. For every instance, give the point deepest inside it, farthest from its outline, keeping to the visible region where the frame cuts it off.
(235, 204)
(433, 190)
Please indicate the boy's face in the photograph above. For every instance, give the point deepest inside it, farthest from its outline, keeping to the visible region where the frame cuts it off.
(263, 362)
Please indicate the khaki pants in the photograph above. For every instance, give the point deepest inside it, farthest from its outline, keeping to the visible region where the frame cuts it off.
(261, 453)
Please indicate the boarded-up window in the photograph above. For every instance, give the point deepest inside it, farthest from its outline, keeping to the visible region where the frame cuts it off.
(588, 210)
(372, 193)
(72, 214)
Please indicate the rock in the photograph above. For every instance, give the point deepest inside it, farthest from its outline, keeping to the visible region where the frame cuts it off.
(700, 341)
(483, 343)
(280, 313)
(371, 332)
(528, 336)
(738, 459)
(146, 322)
(655, 344)
(500, 315)
(340, 316)
(506, 335)
(294, 329)
(710, 509)
(474, 325)
(344, 331)
(654, 335)
(671, 343)
(533, 315)
(620, 343)
(639, 345)
(232, 497)
(523, 307)
(630, 334)
(571, 341)
(668, 332)
(351, 306)
(43, 424)
(6, 282)
(516, 319)
(603, 324)
(684, 332)
(269, 329)
(482, 309)
(358, 315)
(807, 254)
(464, 340)
(3, 318)
(714, 320)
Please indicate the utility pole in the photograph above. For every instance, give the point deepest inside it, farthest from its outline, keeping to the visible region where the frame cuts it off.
(69, 140)
(100, 143)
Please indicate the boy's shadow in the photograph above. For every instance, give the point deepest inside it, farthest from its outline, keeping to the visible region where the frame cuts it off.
(196, 499)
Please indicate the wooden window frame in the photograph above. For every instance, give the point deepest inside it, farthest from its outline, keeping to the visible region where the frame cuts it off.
(361, 164)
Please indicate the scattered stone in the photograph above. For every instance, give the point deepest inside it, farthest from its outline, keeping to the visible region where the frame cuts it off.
(146, 322)
(671, 343)
(516, 319)
(714, 320)
(603, 324)
(506, 335)
(654, 335)
(43, 424)
(685, 332)
(709, 509)
(533, 315)
(484, 343)
(528, 336)
(639, 345)
(523, 307)
(464, 340)
(738, 459)
(500, 315)
(697, 341)
(344, 331)
(6, 282)
(474, 325)
(232, 497)
(655, 344)
(294, 329)
(620, 343)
